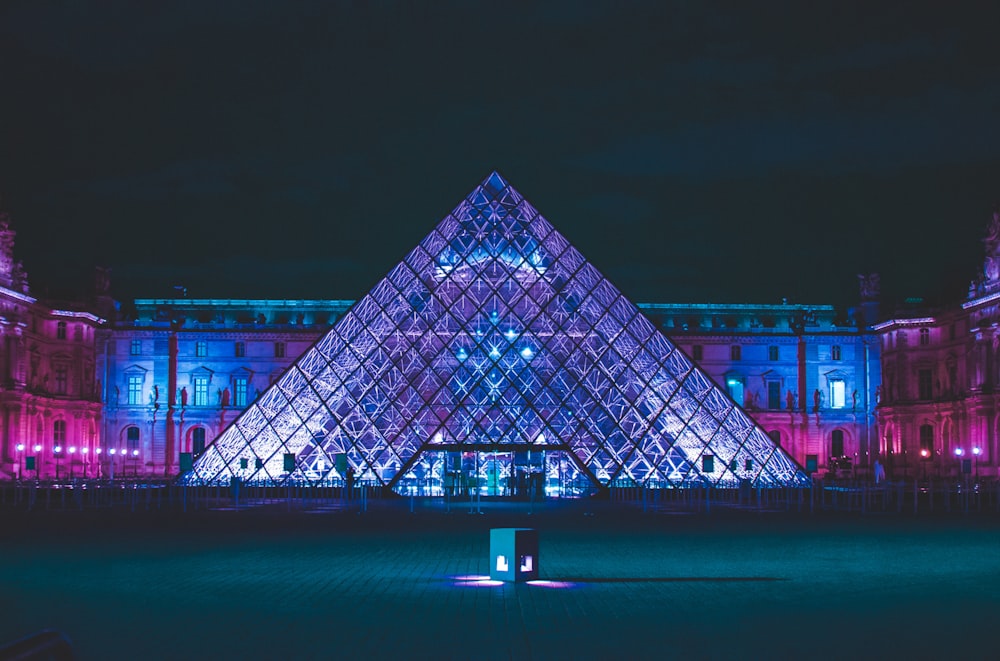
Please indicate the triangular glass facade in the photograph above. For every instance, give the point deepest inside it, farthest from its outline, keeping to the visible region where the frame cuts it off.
(495, 338)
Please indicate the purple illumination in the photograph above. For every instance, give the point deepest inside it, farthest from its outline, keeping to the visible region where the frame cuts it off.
(478, 580)
(495, 331)
(475, 581)
(562, 585)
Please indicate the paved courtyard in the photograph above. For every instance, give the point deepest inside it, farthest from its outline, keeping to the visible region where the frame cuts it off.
(267, 583)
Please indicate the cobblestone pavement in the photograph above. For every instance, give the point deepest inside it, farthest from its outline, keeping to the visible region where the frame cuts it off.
(334, 584)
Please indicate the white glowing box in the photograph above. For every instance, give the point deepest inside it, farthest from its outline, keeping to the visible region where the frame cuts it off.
(513, 554)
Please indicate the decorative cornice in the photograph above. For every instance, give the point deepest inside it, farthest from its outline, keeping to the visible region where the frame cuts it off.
(918, 321)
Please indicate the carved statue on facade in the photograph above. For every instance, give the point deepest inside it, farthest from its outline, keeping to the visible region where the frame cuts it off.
(869, 286)
(6, 250)
(102, 280)
(790, 400)
(991, 266)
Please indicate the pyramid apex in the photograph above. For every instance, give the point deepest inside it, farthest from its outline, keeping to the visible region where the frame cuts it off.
(495, 183)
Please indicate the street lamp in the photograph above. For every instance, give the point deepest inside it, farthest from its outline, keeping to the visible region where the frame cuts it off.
(84, 451)
(135, 466)
(57, 450)
(72, 451)
(20, 461)
(925, 455)
(111, 463)
(977, 451)
(38, 458)
(100, 472)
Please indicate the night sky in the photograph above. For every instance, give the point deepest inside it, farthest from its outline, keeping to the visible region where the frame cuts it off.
(693, 151)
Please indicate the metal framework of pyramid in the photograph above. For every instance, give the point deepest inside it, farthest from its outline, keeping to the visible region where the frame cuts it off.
(495, 335)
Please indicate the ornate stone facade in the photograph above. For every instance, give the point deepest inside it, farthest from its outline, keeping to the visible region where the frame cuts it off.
(940, 398)
(167, 376)
(50, 409)
(807, 377)
(179, 370)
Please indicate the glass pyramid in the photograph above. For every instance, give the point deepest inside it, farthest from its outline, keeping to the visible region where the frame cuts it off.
(495, 336)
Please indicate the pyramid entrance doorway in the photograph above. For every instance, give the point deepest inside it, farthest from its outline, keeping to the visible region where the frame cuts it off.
(495, 358)
(499, 472)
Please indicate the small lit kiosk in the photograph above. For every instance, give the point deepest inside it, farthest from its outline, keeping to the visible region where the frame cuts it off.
(513, 554)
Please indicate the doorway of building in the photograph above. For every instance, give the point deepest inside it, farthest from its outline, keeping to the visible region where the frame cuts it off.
(504, 472)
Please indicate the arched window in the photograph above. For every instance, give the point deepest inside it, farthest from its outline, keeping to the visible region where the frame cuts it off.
(926, 441)
(59, 432)
(198, 440)
(837, 443)
(132, 437)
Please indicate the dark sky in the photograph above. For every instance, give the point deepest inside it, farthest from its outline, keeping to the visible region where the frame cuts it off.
(694, 151)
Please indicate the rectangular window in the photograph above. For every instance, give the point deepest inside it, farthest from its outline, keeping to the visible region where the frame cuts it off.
(134, 390)
(241, 349)
(279, 349)
(135, 348)
(697, 352)
(201, 348)
(78, 333)
(707, 464)
(735, 352)
(735, 387)
(201, 391)
(838, 394)
(240, 387)
(925, 336)
(61, 330)
(835, 352)
(198, 440)
(61, 372)
(772, 353)
(837, 443)
(924, 384)
(774, 395)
